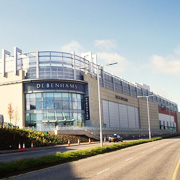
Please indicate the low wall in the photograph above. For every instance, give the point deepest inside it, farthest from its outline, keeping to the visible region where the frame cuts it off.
(125, 134)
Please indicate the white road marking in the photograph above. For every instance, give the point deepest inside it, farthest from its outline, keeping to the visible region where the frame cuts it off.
(129, 159)
(103, 171)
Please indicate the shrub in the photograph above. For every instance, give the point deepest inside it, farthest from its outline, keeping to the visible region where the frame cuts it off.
(10, 138)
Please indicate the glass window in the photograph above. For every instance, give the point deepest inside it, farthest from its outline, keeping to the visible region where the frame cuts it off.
(50, 116)
(33, 116)
(79, 117)
(59, 116)
(59, 107)
(48, 96)
(38, 96)
(75, 106)
(66, 105)
(27, 97)
(28, 117)
(39, 116)
(78, 97)
(58, 104)
(38, 105)
(75, 116)
(32, 97)
(57, 96)
(65, 96)
(71, 116)
(67, 116)
(44, 116)
(78, 105)
(74, 97)
(49, 104)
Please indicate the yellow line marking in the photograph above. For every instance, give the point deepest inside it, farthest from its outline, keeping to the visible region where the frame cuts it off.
(176, 171)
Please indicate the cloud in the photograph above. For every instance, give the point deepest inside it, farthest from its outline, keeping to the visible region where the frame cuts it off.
(106, 58)
(105, 44)
(177, 50)
(73, 46)
(169, 65)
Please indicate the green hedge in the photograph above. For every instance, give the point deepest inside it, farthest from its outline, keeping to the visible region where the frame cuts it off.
(10, 138)
(16, 167)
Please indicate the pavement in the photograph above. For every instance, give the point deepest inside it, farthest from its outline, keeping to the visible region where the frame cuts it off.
(48, 147)
(29, 149)
(93, 144)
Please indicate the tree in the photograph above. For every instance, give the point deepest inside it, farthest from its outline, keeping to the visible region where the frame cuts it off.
(16, 116)
(10, 112)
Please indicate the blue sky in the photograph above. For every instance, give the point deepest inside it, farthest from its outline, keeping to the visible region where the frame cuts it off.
(142, 35)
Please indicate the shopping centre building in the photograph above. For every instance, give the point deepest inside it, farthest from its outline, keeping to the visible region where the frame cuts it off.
(57, 89)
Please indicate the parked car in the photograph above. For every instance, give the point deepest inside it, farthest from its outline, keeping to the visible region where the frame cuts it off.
(115, 138)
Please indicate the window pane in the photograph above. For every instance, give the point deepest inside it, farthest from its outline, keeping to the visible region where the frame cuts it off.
(38, 105)
(58, 104)
(74, 97)
(38, 96)
(66, 105)
(49, 104)
(32, 97)
(65, 96)
(66, 115)
(50, 116)
(48, 96)
(74, 105)
(78, 97)
(39, 117)
(78, 105)
(57, 96)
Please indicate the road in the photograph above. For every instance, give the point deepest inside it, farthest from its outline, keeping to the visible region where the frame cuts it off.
(151, 161)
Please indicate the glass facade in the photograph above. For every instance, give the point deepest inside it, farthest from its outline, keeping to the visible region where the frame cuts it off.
(51, 109)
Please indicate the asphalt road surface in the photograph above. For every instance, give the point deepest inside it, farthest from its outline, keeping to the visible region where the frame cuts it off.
(151, 161)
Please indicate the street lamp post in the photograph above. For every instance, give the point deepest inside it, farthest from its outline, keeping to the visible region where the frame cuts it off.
(99, 101)
(99, 96)
(149, 122)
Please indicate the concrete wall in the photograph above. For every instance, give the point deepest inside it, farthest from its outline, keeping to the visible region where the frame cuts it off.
(109, 95)
(153, 111)
(11, 92)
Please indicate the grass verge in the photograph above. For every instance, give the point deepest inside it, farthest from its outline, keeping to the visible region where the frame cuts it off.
(25, 165)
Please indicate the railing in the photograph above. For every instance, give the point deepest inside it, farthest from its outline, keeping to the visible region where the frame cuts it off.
(61, 65)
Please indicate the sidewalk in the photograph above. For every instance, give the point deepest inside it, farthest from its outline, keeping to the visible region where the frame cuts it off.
(96, 143)
(44, 147)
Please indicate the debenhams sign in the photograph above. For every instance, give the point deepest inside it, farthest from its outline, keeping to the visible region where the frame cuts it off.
(56, 85)
(53, 86)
